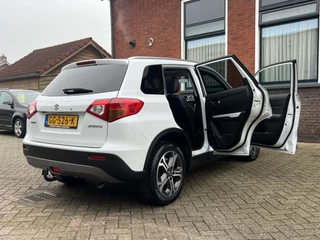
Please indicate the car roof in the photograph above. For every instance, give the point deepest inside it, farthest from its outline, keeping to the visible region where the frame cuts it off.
(139, 59)
(162, 59)
(18, 90)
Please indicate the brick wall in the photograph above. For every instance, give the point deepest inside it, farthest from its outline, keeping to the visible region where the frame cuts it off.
(144, 19)
(241, 31)
(161, 20)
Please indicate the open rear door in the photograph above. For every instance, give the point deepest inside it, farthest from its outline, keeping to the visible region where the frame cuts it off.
(280, 131)
(234, 104)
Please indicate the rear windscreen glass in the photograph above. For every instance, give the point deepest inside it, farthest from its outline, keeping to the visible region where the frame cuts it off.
(98, 79)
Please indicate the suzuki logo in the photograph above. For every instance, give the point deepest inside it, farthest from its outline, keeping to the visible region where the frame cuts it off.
(56, 107)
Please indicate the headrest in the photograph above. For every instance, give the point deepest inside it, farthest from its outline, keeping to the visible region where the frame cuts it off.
(173, 85)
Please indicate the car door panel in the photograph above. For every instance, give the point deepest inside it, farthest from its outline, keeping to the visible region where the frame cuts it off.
(280, 131)
(232, 114)
(227, 112)
(269, 130)
(229, 101)
(7, 109)
(279, 103)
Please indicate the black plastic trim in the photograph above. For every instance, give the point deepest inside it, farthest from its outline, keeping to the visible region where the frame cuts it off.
(163, 134)
(113, 165)
(203, 159)
(313, 84)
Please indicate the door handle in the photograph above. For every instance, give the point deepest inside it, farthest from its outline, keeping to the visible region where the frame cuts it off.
(215, 102)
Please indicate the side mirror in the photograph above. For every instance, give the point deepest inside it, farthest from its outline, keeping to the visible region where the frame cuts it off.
(10, 103)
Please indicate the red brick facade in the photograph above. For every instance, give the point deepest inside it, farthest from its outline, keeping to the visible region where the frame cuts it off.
(241, 31)
(144, 19)
(140, 20)
(161, 20)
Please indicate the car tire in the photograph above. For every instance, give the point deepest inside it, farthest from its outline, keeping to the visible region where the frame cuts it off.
(253, 154)
(166, 173)
(19, 128)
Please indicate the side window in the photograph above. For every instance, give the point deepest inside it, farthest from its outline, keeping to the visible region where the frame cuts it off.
(152, 80)
(185, 83)
(221, 75)
(5, 97)
(213, 81)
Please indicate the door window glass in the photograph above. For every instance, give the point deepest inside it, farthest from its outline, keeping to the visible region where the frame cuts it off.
(281, 73)
(221, 75)
(5, 97)
(152, 80)
(184, 78)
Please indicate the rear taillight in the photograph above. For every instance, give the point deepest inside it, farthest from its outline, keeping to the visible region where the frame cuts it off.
(32, 109)
(97, 157)
(113, 109)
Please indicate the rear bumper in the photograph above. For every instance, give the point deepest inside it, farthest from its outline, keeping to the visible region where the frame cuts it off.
(79, 164)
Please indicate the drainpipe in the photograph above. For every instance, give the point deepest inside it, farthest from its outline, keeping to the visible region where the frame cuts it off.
(111, 23)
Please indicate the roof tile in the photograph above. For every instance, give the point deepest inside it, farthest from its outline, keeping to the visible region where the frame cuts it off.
(41, 60)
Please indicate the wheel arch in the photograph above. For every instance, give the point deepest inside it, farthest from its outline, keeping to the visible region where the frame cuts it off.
(18, 115)
(176, 136)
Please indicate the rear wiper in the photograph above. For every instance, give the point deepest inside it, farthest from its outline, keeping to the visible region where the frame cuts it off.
(76, 90)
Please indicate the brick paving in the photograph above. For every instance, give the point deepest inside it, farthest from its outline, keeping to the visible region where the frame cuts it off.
(275, 197)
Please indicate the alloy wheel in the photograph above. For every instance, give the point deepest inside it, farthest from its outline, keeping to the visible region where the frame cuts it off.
(18, 127)
(169, 173)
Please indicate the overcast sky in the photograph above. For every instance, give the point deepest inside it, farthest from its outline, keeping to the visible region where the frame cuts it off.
(26, 25)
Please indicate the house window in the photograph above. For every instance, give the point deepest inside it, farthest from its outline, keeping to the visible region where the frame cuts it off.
(290, 32)
(204, 29)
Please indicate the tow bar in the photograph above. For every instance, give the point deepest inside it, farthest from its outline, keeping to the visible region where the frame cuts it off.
(48, 177)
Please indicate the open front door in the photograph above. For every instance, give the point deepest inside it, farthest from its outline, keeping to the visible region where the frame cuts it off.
(280, 131)
(234, 104)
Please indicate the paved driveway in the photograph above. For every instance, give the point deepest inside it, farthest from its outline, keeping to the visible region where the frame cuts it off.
(275, 197)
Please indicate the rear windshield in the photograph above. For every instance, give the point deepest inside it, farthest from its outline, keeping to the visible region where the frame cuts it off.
(98, 79)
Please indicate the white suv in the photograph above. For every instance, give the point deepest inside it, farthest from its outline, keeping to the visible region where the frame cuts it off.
(149, 120)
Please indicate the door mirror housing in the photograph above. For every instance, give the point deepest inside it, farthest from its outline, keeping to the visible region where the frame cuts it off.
(10, 103)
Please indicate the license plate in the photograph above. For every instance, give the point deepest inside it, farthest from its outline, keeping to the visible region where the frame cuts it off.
(61, 121)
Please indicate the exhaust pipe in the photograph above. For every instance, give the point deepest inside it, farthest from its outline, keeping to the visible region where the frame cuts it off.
(48, 177)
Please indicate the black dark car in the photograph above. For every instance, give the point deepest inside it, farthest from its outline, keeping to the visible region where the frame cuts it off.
(13, 109)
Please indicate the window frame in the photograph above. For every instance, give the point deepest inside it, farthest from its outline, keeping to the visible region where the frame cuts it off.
(199, 38)
(276, 6)
(204, 35)
(282, 6)
(289, 19)
(172, 67)
(211, 71)
(203, 22)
